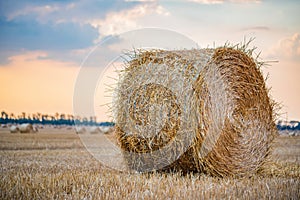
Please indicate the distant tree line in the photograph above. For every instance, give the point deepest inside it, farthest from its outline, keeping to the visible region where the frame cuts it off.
(45, 119)
(67, 119)
(290, 125)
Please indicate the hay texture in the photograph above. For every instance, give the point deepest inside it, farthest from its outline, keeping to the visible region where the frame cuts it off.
(201, 110)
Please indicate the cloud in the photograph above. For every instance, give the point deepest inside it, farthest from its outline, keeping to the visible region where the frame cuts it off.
(27, 34)
(31, 84)
(38, 10)
(57, 39)
(140, 0)
(41, 11)
(207, 1)
(291, 46)
(125, 20)
(62, 27)
(223, 1)
(245, 1)
(62, 11)
(288, 48)
(256, 28)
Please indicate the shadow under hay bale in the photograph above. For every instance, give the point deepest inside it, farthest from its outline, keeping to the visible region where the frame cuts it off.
(202, 110)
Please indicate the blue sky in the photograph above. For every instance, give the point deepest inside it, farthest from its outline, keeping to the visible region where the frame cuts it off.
(68, 25)
(63, 32)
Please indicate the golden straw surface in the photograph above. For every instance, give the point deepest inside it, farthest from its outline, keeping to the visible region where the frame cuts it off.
(202, 110)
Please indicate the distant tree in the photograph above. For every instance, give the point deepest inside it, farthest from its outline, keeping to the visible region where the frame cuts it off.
(62, 116)
(57, 116)
(39, 116)
(12, 116)
(4, 115)
(298, 126)
(44, 117)
(23, 115)
(52, 118)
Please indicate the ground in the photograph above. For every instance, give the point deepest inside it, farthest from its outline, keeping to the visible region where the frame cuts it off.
(54, 164)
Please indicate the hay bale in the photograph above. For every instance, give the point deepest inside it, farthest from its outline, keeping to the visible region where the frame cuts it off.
(14, 129)
(94, 130)
(35, 128)
(3, 125)
(26, 128)
(106, 129)
(203, 110)
(246, 127)
(80, 129)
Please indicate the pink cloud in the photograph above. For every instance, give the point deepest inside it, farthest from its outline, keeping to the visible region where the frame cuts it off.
(290, 46)
(224, 1)
(126, 20)
(33, 85)
(256, 28)
(207, 1)
(287, 48)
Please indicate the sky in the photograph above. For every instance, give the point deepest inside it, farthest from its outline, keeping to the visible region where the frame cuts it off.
(44, 45)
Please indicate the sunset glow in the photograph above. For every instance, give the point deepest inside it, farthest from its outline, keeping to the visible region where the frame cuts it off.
(44, 43)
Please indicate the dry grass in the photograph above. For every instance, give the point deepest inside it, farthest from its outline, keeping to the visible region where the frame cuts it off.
(48, 138)
(35, 171)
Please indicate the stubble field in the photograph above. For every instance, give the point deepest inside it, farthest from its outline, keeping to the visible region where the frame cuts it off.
(54, 164)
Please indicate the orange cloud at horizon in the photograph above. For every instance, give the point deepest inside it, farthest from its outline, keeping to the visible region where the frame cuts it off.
(283, 75)
(30, 84)
(285, 84)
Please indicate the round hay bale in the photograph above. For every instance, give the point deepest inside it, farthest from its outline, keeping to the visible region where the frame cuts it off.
(106, 129)
(246, 127)
(203, 110)
(80, 129)
(26, 128)
(94, 130)
(35, 128)
(14, 129)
